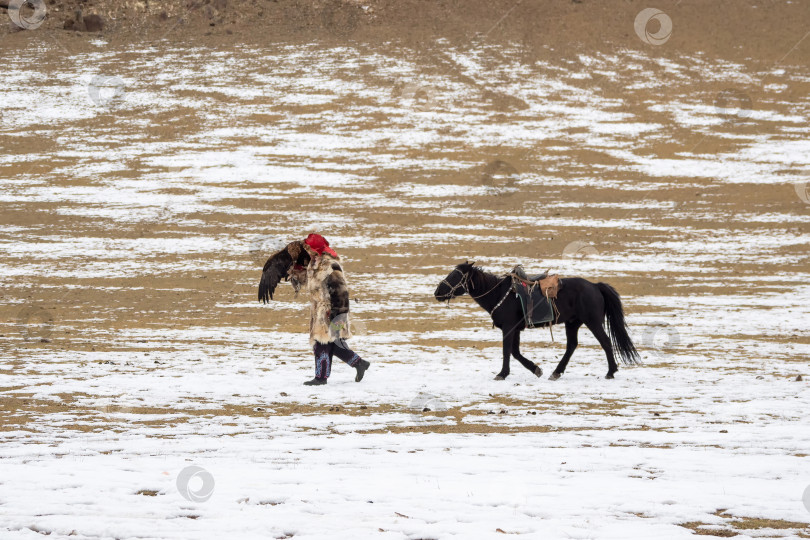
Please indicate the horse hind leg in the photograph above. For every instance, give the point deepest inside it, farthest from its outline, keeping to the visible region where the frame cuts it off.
(525, 362)
(571, 330)
(604, 340)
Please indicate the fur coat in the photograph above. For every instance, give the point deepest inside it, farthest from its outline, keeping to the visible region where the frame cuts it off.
(329, 300)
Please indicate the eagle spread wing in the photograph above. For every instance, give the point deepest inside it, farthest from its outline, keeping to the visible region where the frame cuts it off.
(284, 264)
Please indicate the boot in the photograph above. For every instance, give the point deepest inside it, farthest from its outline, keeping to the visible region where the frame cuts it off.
(361, 368)
(315, 382)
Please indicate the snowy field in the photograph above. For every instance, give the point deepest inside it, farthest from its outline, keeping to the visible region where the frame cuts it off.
(146, 394)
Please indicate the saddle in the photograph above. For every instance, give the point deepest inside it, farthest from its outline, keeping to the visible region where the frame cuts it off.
(536, 293)
(549, 284)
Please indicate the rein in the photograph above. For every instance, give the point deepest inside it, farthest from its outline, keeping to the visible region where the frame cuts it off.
(489, 291)
(502, 299)
(498, 284)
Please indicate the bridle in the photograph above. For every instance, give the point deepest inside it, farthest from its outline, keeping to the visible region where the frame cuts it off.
(465, 278)
(464, 282)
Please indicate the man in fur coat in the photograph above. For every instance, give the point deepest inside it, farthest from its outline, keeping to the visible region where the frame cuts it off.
(329, 311)
(312, 263)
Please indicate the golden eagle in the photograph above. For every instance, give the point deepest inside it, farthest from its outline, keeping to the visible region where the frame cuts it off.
(289, 264)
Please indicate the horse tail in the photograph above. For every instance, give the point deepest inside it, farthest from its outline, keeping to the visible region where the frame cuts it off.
(617, 328)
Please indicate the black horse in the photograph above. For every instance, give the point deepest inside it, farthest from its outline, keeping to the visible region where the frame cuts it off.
(578, 302)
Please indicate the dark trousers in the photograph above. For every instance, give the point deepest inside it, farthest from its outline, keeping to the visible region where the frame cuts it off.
(325, 351)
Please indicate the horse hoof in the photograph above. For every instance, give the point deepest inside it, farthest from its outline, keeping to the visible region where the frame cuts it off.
(554, 376)
(500, 378)
(609, 376)
(538, 372)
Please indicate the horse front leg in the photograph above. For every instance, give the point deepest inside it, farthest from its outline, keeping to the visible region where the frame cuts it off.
(508, 341)
(528, 364)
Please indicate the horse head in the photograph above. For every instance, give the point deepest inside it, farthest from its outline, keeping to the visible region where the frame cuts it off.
(455, 284)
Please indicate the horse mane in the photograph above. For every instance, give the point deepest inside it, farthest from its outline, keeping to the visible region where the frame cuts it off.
(483, 279)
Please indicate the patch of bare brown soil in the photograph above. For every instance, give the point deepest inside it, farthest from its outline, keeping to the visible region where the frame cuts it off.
(735, 525)
(745, 29)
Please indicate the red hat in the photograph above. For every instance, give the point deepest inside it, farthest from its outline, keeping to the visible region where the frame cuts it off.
(319, 244)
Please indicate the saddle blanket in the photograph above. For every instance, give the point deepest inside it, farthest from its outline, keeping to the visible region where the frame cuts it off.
(537, 309)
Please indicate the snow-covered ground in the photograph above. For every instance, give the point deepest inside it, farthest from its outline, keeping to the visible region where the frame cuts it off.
(580, 458)
(142, 400)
